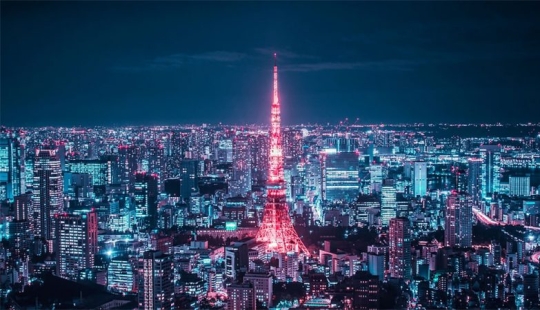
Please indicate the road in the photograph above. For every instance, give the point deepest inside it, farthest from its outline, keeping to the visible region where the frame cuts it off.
(488, 221)
(535, 257)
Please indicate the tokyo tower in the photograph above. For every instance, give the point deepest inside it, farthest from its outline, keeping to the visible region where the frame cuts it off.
(277, 233)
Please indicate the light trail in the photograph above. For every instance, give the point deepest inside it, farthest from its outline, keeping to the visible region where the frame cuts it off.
(488, 221)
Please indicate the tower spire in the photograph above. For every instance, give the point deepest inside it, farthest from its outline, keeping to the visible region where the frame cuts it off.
(277, 232)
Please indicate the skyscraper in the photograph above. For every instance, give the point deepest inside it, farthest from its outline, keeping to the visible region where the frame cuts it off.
(145, 191)
(388, 203)
(458, 223)
(474, 175)
(520, 185)
(400, 248)
(263, 286)
(11, 168)
(157, 289)
(277, 233)
(76, 243)
(47, 192)
(241, 296)
(189, 176)
(120, 275)
(241, 179)
(491, 166)
(420, 178)
(340, 176)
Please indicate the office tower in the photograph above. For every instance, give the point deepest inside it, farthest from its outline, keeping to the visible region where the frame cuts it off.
(259, 158)
(530, 290)
(78, 185)
(474, 175)
(420, 178)
(458, 223)
(240, 182)
(157, 289)
(241, 297)
(461, 182)
(100, 170)
(145, 192)
(236, 260)
(46, 193)
(340, 176)
(224, 151)
(520, 186)
(491, 166)
(128, 164)
(23, 207)
(277, 233)
(156, 156)
(29, 171)
(341, 143)
(292, 143)
(76, 243)
(400, 248)
(263, 286)
(121, 276)
(377, 260)
(189, 176)
(388, 203)
(366, 291)
(11, 168)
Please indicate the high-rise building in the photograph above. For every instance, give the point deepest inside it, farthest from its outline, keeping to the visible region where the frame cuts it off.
(420, 178)
(399, 238)
(145, 191)
(474, 175)
(241, 297)
(157, 288)
(128, 164)
(189, 176)
(121, 275)
(46, 193)
(76, 243)
(236, 259)
(101, 170)
(491, 166)
(156, 157)
(377, 260)
(23, 207)
(224, 151)
(259, 158)
(388, 203)
(241, 180)
(458, 223)
(340, 176)
(366, 291)
(11, 167)
(520, 185)
(263, 286)
(292, 143)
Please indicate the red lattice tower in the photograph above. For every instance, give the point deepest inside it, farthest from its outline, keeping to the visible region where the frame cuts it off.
(277, 233)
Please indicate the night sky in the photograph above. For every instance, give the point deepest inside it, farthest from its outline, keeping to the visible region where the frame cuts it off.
(144, 63)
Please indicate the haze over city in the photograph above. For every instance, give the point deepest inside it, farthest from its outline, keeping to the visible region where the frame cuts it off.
(145, 63)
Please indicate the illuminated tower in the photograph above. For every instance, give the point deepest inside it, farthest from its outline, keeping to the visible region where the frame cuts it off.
(277, 232)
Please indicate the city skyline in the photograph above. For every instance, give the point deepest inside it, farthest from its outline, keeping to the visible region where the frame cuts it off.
(95, 64)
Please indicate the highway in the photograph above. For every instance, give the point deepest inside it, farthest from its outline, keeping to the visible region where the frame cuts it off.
(488, 221)
(535, 257)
